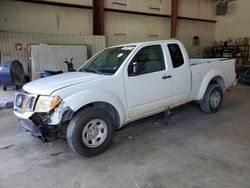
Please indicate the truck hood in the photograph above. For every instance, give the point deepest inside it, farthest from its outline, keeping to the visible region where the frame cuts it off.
(46, 86)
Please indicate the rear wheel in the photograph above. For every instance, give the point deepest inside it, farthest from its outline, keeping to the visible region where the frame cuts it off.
(212, 100)
(90, 132)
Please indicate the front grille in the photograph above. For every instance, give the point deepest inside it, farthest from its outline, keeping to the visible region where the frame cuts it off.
(24, 102)
(31, 103)
(19, 99)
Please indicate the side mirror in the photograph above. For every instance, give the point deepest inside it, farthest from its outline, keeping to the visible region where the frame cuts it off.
(134, 68)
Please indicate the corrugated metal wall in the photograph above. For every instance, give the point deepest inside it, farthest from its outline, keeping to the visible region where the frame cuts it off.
(8, 41)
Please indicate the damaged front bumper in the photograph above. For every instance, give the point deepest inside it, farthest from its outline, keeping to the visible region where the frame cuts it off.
(29, 126)
(40, 125)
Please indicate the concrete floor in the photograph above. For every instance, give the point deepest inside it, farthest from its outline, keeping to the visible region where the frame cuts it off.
(194, 150)
(6, 96)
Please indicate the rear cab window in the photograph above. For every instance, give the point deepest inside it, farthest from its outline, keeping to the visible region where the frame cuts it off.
(176, 55)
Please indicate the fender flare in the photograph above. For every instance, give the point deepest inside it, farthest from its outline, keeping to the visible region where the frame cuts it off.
(77, 100)
(207, 79)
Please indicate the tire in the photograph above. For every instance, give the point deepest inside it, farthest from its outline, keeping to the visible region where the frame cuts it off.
(90, 132)
(209, 104)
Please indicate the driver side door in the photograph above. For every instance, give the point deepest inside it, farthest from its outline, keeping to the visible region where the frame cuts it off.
(148, 85)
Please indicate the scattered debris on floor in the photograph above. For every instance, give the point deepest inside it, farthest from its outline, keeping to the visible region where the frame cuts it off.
(6, 103)
(55, 154)
(7, 147)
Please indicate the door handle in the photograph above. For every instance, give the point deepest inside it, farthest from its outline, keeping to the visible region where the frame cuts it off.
(166, 77)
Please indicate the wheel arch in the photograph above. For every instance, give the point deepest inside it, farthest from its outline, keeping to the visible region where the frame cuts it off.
(214, 76)
(105, 106)
(99, 99)
(220, 81)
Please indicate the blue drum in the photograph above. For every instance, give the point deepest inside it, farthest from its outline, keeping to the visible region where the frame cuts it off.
(11, 74)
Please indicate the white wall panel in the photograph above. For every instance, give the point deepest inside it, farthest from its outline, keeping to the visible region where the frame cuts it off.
(136, 25)
(150, 6)
(203, 9)
(236, 23)
(188, 29)
(38, 18)
(206, 9)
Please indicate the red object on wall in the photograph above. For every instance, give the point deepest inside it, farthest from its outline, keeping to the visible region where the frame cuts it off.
(18, 46)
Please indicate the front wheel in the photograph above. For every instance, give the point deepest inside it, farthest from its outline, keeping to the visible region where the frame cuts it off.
(212, 100)
(90, 132)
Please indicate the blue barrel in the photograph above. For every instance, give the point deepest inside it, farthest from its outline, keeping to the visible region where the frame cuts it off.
(11, 73)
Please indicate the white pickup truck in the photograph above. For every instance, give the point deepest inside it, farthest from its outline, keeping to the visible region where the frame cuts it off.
(119, 85)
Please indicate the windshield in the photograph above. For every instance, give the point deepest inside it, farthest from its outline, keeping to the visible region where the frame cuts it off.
(107, 61)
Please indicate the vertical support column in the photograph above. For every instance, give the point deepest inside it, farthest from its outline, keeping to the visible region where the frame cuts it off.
(98, 17)
(174, 18)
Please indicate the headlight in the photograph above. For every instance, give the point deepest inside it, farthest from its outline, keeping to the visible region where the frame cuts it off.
(46, 103)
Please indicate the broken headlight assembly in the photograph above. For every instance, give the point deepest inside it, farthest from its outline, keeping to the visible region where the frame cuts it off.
(47, 103)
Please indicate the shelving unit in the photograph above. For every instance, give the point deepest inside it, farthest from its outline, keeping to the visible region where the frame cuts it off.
(232, 51)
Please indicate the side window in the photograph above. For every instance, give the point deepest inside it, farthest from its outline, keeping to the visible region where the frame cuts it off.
(176, 55)
(148, 59)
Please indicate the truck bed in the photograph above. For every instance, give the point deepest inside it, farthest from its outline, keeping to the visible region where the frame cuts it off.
(201, 67)
(201, 61)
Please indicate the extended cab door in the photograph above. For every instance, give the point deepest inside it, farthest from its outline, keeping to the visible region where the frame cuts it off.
(181, 73)
(148, 82)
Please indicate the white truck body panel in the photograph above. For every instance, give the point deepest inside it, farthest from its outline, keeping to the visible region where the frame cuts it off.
(204, 72)
(47, 86)
(109, 89)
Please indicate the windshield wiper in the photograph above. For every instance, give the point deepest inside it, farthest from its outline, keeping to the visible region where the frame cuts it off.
(92, 70)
